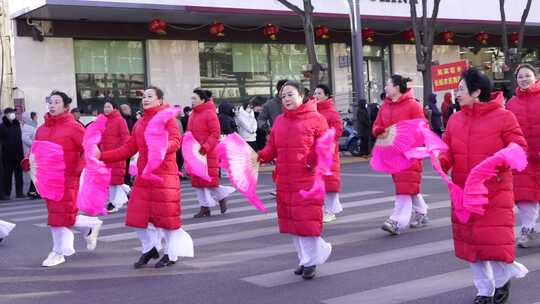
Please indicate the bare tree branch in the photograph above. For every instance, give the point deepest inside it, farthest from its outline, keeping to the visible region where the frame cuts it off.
(504, 33)
(416, 30)
(433, 22)
(522, 25)
(292, 7)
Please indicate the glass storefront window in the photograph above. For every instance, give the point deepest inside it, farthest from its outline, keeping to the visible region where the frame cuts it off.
(239, 71)
(108, 69)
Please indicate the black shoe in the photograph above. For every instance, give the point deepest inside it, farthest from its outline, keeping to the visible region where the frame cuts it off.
(146, 257)
(20, 196)
(483, 300)
(1, 239)
(204, 212)
(502, 294)
(299, 270)
(223, 206)
(33, 195)
(164, 262)
(111, 208)
(309, 272)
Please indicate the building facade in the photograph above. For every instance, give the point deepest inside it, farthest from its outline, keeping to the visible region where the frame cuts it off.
(100, 49)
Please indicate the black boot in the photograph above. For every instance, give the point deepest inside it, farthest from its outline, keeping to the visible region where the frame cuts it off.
(299, 270)
(223, 206)
(309, 272)
(483, 300)
(146, 257)
(502, 294)
(164, 262)
(204, 212)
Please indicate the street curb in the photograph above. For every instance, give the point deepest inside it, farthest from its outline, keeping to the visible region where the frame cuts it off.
(343, 160)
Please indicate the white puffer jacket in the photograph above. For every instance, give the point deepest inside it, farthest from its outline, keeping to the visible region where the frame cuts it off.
(247, 124)
(28, 131)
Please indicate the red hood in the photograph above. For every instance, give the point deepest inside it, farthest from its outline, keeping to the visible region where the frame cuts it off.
(531, 91)
(409, 94)
(480, 108)
(324, 105)
(205, 106)
(59, 119)
(308, 106)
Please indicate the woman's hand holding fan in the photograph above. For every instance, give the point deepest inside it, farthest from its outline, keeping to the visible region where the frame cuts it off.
(324, 149)
(47, 169)
(194, 162)
(96, 177)
(240, 162)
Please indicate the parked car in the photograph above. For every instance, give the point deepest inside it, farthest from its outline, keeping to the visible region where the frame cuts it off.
(349, 140)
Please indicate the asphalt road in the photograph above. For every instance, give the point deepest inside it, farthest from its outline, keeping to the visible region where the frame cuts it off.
(241, 258)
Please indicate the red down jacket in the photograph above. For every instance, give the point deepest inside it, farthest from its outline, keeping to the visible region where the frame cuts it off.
(292, 141)
(116, 134)
(474, 134)
(204, 124)
(327, 109)
(526, 106)
(152, 201)
(405, 108)
(65, 131)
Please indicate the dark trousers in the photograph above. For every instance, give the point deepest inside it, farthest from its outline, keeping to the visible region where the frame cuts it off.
(179, 160)
(253, 145)
(13, 167)
(32, 188)
(127, 177)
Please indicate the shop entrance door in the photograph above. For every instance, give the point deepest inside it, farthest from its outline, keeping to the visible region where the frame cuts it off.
(373, 78)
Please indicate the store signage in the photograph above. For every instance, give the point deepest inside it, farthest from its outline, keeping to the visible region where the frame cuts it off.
(446, 76)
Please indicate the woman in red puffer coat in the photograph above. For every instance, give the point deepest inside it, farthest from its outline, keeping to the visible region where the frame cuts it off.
(291, 143)
(61, 128)
(325, 106)
(526, 106)
(154, 205)
(399, 105)
(204, 124)
(116, 134)
(478, 131)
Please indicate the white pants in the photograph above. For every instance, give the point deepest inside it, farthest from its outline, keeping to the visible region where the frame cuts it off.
(489, 275)
(5, 228)
(332, 203)
(312, 250)
(118, 195)
(63, 236)
(528, 214)
(177, 242)
(209, 197)
(403, 206)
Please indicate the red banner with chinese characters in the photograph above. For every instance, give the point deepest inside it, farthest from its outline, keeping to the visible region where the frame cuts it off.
(446, 76)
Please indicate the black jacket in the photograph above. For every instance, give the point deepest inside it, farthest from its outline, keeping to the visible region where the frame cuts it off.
(130, 120)
(11, 139)
(226, 118)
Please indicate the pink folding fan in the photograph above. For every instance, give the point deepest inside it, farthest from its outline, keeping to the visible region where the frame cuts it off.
(324, 148)
(47, 169)
(240, 162)
(157, 141)
(195, 163)
(96, 177)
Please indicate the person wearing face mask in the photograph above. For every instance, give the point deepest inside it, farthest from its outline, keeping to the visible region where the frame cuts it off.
(526, 106)
(115, 135)
(12, 152)
(204, 124)
(399, 105)
(154, 207)
(294, 133)
(486, 241)
(28, 133)
(325, 106)
(61, 128)
(247, 124)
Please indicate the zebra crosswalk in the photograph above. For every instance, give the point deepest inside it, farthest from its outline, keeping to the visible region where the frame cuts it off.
(244, 239)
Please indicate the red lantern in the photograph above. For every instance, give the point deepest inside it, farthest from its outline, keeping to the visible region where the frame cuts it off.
(158, 26)
(322, 32)
(409, 36)
(368, 34)
(482, 37)
(271, 31)
(448, 36)
(514, 37)
(217, 29)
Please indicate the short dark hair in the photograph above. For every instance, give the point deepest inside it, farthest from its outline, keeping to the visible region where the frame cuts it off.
(186, 110)
(75, 110)
(298, 86)
(159, 92)
(113, 104)
(326, 89)
(401, 82)
(280, 83)
(476, 80)
(32, 115)
(383, 96)
(8, 110)
(205, 95)
(526, 66)
(66, 100)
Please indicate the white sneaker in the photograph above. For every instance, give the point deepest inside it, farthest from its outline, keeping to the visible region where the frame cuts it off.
(329, 217)
(419, 220)
(391, 227)
(91, 239)
(53, 259)
(528, 238)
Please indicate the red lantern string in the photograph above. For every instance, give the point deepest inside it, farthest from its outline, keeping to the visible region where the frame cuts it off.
(322, 32)
(482, 37)
(217, 29)
(448, 36)
(271, 31)
(368, 34)
(158, 26)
